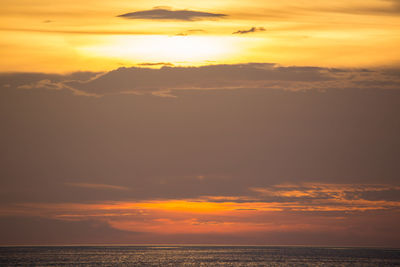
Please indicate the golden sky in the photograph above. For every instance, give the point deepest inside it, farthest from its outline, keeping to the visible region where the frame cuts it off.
(65, 36)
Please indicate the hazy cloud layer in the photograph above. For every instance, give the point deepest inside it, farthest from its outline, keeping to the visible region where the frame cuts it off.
(168, 14)
(167, 81)
(278, 152)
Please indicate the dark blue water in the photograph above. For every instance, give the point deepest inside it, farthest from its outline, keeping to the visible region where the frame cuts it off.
(196, 256)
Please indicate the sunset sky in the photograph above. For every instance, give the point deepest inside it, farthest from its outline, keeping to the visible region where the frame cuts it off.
(200, 122)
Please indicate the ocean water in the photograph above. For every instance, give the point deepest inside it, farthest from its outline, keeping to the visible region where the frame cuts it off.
(197, 256)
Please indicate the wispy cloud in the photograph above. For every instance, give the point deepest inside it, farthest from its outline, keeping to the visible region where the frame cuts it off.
(190, 32)
(162, 13)
(155, 64)
(97, 186)
(251, 30)
(333, 197)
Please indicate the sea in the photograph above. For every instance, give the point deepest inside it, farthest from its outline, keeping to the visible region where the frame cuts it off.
(197, 256)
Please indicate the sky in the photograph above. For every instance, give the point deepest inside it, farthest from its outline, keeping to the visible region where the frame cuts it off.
(200, 122)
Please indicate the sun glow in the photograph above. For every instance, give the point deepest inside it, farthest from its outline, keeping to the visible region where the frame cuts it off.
(158, 48)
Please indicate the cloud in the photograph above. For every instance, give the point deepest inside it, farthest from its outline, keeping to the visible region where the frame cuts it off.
(251, 30)
(301, 208)
(244, 151)
(195, 30)
(306, 198)
(38, 80)
(168, 80)
(160, 13)
(155, 81)
(239, 126)
(155, 64)
(333, 197)
(43, 84)
(98, 186)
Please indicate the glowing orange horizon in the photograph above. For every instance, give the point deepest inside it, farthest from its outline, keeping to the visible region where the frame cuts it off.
(219, 214)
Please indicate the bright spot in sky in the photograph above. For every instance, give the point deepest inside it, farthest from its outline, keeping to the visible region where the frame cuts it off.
(157, 48)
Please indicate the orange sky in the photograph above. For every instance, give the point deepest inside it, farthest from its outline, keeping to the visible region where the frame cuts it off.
(310, 208)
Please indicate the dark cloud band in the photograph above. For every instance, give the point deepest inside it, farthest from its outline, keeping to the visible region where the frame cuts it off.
(166, 14)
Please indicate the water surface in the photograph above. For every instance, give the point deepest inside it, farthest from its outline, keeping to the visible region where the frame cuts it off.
(197, 256)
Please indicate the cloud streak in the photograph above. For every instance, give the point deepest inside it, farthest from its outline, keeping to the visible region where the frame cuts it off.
(333, 197)
(251, 30)
(97, 186)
